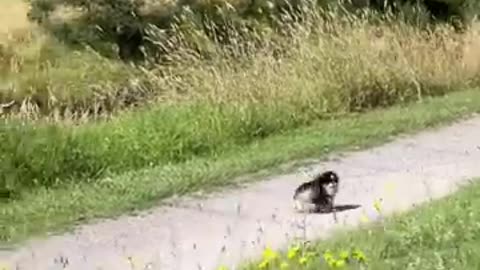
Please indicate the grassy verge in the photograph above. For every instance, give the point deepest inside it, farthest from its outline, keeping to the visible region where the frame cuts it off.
(203, 108)
(43, 209)
(443, 234)
(209, 108)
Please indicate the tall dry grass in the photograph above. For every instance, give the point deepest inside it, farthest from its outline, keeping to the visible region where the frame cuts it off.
(13, 16)
(329, 66)
(325, 68)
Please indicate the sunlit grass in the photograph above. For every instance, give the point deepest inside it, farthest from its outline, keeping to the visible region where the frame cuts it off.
(44, 210)
(13, 17)
(229, 102)
(331, 66)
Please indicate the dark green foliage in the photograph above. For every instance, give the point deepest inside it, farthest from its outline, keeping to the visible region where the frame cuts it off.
(102, 21)
(121, 20)
(124, 22)
(456, 12)
(41, 9)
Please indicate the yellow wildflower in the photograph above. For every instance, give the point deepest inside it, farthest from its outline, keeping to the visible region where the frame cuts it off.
(310, 254)
(269, 254)
(303, 260)
(339, 264)
(222, 267)
(293, 252)
(359, 256)
(364, 218)
(263, 264)
(327, 255)
(284, 265)
(331, 262)
(344, 255)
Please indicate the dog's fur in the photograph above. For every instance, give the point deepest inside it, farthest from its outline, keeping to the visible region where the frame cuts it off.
(319, 193)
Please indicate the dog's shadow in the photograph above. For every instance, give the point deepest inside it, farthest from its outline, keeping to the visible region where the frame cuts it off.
(346, 207)
(340, 208)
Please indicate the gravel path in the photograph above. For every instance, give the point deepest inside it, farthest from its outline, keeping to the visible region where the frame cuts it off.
(229, 227)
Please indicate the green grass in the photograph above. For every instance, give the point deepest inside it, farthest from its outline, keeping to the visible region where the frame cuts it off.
(42, 210)
(203, 109)
(443, 234)
(207, 111)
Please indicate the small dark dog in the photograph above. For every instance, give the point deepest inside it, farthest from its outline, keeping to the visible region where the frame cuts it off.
(318, 193)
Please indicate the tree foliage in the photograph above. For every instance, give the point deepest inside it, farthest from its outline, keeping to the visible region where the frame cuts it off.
(124, 21)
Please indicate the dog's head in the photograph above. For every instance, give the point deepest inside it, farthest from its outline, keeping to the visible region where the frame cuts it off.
(331, 176)
(332, 182)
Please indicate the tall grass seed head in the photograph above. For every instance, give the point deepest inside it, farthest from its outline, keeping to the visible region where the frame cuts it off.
(378, 205)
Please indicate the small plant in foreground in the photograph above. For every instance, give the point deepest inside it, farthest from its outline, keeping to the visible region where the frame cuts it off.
(299, 258)
(303, 257)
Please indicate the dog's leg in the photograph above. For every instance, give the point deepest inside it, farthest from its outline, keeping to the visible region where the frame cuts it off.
(315, 209)
(331, 208)
(334, 211)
